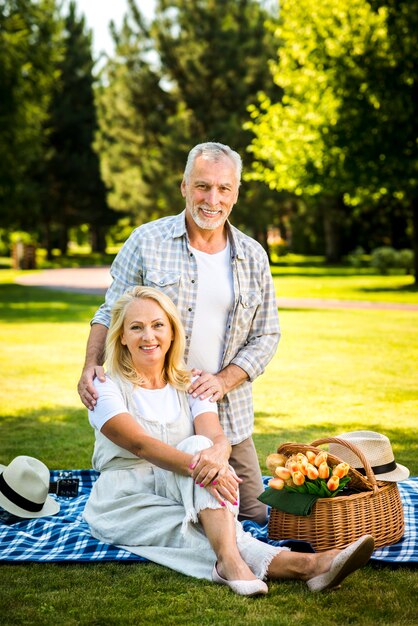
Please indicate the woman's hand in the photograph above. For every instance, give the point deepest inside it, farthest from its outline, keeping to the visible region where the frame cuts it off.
(225, 487)
(210, 468)
(208, 464)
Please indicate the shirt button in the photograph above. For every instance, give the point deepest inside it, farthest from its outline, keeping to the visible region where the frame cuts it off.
(193, 281)
(161, 282)
(190, 309)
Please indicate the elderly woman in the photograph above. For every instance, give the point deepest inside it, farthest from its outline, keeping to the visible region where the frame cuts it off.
(160, 494)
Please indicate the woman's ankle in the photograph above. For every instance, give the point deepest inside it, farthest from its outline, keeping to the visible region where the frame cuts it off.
(234, 568)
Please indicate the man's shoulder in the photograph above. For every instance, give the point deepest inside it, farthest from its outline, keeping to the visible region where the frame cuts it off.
(249, 245)
(162, 228)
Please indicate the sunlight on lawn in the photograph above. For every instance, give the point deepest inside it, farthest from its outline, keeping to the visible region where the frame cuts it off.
(340, 284)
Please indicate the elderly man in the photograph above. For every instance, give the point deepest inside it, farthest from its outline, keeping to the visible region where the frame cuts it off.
(220, 281)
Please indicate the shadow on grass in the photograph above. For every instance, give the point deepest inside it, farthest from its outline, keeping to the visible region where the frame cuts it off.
(60, 436)
(315, 272)
(34, 304)
(412, 288)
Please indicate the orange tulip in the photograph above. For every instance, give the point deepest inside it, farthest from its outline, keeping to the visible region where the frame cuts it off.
(323, 470)
(312, 472)
(311, 456)
(283, 473)
(301, 458)
(276, 483)
(333, 483)
(293, 467)
(341, 470)
(303, 467)
(298, 478)
(321, 458)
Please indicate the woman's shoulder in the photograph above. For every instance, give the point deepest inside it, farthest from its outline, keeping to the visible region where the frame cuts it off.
(107, 381)
(110, 383)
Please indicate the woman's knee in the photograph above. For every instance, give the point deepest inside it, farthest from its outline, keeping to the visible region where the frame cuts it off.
(194, 444)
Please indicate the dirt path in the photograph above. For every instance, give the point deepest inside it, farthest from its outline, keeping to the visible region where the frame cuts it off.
(95, 280)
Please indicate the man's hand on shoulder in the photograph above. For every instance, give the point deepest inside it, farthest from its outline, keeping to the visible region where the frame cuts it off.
(207, 386)
(215, 386)
(86, 389)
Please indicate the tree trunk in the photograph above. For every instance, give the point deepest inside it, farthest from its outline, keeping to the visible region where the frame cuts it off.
(48, 241)
(64, 239)
(414, 207)
(333, 218)
(98, 238)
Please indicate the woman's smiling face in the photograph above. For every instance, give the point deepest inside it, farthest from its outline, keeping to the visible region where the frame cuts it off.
(147, 334)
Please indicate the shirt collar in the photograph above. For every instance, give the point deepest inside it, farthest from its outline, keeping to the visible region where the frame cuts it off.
(179, 230)
(179, 226)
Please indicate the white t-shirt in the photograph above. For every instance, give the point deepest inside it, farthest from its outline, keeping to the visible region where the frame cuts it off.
(161, 405)
(215, 299)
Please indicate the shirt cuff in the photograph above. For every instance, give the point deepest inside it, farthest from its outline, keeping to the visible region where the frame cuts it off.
(100, 318)
(253, 370)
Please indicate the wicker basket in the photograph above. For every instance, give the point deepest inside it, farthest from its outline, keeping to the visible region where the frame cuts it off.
(335, 522)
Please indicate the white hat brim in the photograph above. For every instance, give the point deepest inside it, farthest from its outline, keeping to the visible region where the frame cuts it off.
(400, 473)
(51, 507)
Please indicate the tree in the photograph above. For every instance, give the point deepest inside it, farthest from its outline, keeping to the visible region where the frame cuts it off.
(29, 52)
(75, 190)
(389, 150)
(187, 77)
(302, 143)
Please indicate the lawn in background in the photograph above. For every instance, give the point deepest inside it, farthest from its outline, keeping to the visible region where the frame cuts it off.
(335, 370)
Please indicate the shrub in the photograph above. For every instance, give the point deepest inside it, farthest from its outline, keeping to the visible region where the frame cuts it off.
(384, 258)
(406, 260)
(356, 257)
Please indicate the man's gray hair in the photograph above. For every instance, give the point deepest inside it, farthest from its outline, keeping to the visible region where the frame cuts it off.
(213, 151)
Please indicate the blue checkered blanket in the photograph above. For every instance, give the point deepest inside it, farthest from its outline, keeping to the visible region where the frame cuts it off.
(66, 536)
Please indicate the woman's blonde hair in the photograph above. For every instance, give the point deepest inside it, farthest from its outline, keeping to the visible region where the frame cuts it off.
(118, 358)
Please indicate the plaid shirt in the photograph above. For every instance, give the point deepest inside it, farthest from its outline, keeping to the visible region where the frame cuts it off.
(158, 254)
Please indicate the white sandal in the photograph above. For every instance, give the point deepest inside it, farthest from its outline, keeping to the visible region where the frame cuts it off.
(241, 587)
(347, 561)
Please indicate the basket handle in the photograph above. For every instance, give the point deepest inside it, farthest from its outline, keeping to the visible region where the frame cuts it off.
(367, 467)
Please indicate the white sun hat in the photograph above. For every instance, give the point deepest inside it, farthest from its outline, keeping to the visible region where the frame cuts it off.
(24, 485)
(377, 450)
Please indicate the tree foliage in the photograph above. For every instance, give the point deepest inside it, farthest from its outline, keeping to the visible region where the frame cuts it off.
(29, 52)
(345, 131)
(49, 173)
(75, 191)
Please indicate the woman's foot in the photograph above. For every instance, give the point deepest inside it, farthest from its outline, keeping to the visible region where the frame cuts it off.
(344, 563)
(247, 587)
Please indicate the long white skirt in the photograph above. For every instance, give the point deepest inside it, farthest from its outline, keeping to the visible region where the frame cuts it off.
(154, 513)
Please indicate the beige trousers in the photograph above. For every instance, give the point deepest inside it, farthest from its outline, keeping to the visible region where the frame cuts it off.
(244, 460)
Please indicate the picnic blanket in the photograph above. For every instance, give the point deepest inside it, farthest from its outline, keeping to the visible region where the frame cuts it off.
(66, 536)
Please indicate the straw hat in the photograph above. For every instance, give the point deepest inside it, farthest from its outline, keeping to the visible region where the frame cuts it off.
(378, 451)
(24, 486)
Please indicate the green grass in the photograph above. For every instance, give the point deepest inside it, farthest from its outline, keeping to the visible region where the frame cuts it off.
(334, 371)
(343, 283)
